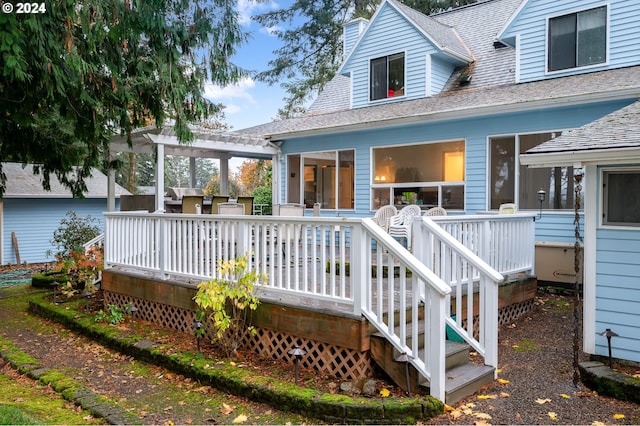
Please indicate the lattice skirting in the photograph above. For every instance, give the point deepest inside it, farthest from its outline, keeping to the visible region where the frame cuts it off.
(327, 359)
(506, 315)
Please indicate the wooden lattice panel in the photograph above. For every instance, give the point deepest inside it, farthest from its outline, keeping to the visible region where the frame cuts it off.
(327, 359)
(166, 316)
(510, 313)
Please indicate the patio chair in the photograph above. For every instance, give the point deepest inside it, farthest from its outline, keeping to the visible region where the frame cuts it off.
(400, 224)
(435, 211)
(192, 204)
(231, 209)
(247, 201)
(293, 231)
(217, 199)
(507, 208)
(381, 218)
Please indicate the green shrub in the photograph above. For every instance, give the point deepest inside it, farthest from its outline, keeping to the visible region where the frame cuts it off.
(73, 232)
(46, 279)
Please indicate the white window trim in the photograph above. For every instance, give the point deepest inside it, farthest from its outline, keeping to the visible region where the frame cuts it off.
(439, 184)
(570, 12)
(382, 100)
(602, 201)
(516, 136)
(427, 76)
(337, 184)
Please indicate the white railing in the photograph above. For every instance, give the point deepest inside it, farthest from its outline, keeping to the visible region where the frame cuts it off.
(352, 263)
(293, 252)
(504, 242)
(473, 283)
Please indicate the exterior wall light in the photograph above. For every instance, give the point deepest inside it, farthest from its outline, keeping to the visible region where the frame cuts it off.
(542, 195)
(297, 352)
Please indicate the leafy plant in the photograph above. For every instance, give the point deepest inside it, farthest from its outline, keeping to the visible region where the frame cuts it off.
(83, 268)
(114, 314)
(228, 300)
(73, 232)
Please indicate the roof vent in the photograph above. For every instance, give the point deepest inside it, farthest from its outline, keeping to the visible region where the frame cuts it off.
(497, 44)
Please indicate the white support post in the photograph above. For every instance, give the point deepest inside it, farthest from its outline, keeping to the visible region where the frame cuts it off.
(224, 176)
(436, 345)
(358, 267)
(159, 177)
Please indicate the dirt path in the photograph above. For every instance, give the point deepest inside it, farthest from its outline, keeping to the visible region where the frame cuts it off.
(151, 393)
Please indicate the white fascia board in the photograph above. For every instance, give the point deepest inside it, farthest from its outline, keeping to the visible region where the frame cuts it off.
(582, 158)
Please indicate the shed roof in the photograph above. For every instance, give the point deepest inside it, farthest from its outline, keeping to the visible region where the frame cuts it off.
(612, 138)
(23, 183)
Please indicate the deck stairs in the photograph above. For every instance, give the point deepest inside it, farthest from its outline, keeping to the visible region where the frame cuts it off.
(464, 374)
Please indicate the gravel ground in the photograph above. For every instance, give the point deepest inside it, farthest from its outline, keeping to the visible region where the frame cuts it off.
(536, 377)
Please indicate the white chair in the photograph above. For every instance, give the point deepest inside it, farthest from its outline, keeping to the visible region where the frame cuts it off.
(400, 224)
(290, 210)
(435, 211)
(293, 231)
(507, 208)
(381, 218)
(231, 209)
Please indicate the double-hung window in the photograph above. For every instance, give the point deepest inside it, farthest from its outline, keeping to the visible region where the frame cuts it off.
(578, 39)
(386, 77)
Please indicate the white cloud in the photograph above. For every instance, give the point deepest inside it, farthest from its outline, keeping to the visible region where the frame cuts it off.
(240, 90)
(270, 30)
(247, 8)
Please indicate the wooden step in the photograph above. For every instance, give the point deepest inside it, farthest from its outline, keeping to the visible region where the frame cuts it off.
(384, 354)
(465, 380)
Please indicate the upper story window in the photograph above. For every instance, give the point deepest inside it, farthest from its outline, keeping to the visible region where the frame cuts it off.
(578, 39)
(387, 77)
(621, 201)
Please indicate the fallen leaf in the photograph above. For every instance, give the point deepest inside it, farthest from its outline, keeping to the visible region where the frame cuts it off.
(565, 396)
(226, 409)
(553, 416)
(169, 408)
(448, 408)
(503, 381)
(504, 395)
(597, 423)
(455, 414)
(470, 405)
(518, 416)
(499, 370)
(483, 416)
(188, 421)
(384, 392)
(482, 423)
(542, 401)
(181, 402)
(169, 422)
(618, 416)
(487, 396)
(240, 419)
(467, 411)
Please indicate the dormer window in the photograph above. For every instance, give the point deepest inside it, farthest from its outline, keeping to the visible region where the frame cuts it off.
(578, 39)
(387, 77)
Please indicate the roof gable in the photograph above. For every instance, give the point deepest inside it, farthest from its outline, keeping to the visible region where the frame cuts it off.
(443, 38)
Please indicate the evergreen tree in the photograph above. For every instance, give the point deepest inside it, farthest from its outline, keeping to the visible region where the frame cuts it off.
(79, 72)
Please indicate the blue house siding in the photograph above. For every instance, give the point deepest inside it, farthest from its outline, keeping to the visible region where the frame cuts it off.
(531, 25)
(390, 30)
(553, 227)
(618, 291)
(35, 220)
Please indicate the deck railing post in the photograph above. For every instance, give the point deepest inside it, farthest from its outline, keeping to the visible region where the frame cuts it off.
(163, 239)
(490, 322)
(358, 267)
(436, 345)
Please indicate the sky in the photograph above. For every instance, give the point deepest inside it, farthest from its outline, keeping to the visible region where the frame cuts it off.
(250, 102)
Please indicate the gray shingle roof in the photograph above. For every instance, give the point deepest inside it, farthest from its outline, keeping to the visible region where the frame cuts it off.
(619, 129)
(22, 183)
(445, 36)
(613, 84)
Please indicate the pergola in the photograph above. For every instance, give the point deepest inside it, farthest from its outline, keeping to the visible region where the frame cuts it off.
(207, 143)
